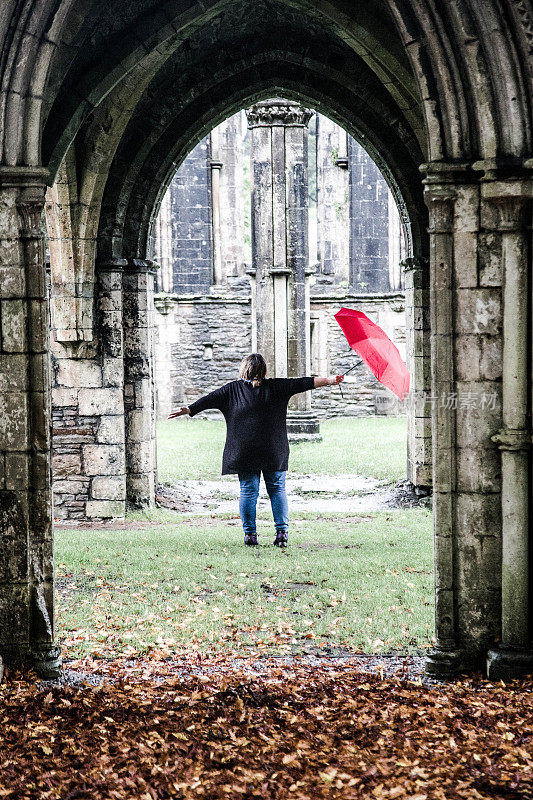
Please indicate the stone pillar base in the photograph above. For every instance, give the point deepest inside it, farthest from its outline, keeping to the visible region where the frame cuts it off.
(505, 664)
(443, 663)
(47, 662)
(303, 426)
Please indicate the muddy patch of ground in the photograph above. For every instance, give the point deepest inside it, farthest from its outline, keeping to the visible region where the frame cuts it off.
(344, 494)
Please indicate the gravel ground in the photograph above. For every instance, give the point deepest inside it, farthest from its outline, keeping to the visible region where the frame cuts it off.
(406, 667)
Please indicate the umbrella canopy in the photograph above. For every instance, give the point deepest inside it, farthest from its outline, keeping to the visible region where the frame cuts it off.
(376, 349)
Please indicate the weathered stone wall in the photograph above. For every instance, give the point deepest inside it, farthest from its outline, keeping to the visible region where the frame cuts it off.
(190, 212)
(369, 223)
(211, 334)
(88, 435)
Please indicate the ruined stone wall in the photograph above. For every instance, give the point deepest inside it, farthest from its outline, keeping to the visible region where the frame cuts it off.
(369, 223)
(190, 211)
(88, 435)
(210, 336)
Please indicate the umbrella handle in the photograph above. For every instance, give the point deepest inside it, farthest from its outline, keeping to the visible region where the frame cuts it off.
(354, 366)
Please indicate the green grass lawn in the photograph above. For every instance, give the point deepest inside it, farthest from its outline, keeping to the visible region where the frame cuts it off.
(372, 446)
(362, 583)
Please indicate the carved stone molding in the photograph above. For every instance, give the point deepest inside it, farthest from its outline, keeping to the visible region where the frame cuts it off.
(413, 264)
(512, 212)
(30, 206)
(31, 185)
(112, 265)
(440, 200)
(512, 440)
(141, 265)
(277, 112)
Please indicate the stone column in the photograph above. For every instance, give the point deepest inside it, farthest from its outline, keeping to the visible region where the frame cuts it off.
(26, 554)
(216, 237)
(139, 389)
(441, 202)
(510, 203)
(417, 330)
(333, 207)
(104, 461)
(466, 323)
(162, 244)
(230, 153)
(280, 252)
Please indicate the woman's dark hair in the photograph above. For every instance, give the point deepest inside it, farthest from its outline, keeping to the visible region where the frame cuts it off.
(253, 368)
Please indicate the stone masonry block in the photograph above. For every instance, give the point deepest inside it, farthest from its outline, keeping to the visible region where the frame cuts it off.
(12, 279)
(443, 548)
(479, 311)
(39, 326)
(101, 459)
(93, 402)
(64, 397)
(478, 412)
(109, 488)
(78, 373)
(491, 361)
(71, 487)
(444, 613)
(105, 509)
(141, 489)
(13, 372)
(467, 357)
(13, 318)
(478, 515)
(478, 470)
(113, 372)
(16, 471)
(140, 457)
(466, 211)
(66, 465)
(465, 259)
(111, 430)
(13, 421)
(490, 259)
(139, 425)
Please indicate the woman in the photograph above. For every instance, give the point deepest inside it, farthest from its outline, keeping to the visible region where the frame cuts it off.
(255, 409)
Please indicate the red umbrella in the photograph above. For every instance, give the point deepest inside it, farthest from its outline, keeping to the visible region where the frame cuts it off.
(376, 350)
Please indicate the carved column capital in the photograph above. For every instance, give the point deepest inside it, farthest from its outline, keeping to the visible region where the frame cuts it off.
(141, 265)
(511, 203)
(31, 185)
(440, 200)
(278, 112)
(413, 264)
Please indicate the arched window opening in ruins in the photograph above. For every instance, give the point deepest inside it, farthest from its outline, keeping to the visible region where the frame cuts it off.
(218, 234)
(201, 242)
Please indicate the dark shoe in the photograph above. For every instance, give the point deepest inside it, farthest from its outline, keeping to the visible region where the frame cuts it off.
(281, 538)
(250, 539)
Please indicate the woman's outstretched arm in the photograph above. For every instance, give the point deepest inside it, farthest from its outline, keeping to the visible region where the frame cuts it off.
(328, 381)
(216, 399)
(179, 413)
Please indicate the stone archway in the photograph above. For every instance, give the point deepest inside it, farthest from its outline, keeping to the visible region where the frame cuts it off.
(447, 90)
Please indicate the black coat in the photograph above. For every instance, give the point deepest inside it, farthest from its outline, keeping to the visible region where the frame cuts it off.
(256, 420)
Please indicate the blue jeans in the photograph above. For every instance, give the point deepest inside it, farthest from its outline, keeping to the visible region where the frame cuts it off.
(275, 484)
